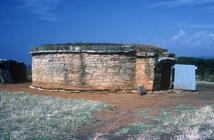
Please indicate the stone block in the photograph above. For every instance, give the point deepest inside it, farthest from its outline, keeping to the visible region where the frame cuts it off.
(141, 90)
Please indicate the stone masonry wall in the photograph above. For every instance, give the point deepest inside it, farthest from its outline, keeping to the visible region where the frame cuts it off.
(145, 73)
(82, 71)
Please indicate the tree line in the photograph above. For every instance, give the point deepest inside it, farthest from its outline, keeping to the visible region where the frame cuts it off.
(205, 67)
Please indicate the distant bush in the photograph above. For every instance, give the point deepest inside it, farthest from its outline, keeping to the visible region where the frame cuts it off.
(205, 67)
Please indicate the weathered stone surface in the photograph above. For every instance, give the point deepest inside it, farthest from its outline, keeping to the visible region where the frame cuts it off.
(83, 71)
(94, 66)
(84, 48)
(142, 50)
(145, 72)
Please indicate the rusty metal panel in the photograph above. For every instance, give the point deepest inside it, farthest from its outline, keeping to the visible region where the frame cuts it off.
(184, 77)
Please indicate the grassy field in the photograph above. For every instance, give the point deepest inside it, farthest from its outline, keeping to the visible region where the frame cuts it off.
(179, 122)
(25, 116)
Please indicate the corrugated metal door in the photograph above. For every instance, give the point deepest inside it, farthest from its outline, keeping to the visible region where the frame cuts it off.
(184, 77)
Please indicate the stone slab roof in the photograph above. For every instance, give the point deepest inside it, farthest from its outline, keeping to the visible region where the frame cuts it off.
(106, 48)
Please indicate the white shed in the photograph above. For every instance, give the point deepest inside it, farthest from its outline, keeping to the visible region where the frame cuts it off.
(184, 77)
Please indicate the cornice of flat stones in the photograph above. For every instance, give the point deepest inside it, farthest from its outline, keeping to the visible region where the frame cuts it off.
(100, 48)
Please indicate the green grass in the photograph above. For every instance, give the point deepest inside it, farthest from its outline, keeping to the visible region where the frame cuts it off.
(182, 108)
(187, 121)
(168, 113)
(141, 127)
(25, 116)
(163, 116)
(143, 112)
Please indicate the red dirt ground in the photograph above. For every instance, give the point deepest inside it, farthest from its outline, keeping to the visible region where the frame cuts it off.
(125, 105)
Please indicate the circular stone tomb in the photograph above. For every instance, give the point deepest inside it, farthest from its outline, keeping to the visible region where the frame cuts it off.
(94, 66)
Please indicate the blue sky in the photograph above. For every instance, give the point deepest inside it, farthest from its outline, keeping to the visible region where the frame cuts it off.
(184, 27)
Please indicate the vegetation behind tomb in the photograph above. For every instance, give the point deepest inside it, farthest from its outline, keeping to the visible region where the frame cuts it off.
(205, 67)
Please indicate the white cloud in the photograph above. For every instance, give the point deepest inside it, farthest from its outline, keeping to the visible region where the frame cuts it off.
(174, 3)
(190, 44)
(197, 40)
(201, 26)
(42, 9)
(180, 34)
(212, 36)
(209, 9)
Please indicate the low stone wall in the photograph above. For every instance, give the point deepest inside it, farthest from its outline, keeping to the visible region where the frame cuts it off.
(82, 71)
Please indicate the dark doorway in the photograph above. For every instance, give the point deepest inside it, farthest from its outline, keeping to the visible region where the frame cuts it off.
(163, 74)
